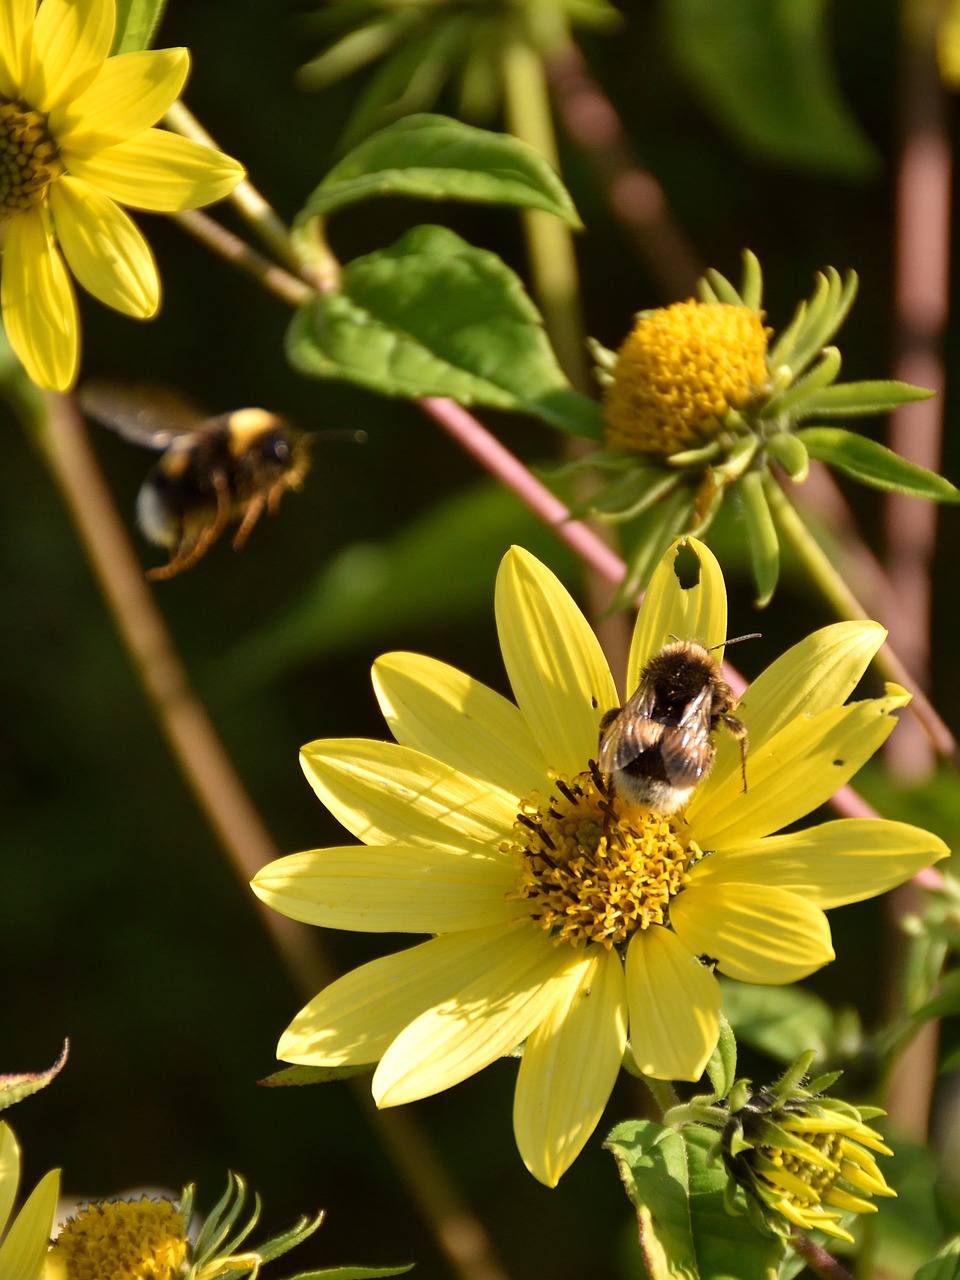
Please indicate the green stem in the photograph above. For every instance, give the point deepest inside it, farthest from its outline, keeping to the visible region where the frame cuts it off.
(663, 1092)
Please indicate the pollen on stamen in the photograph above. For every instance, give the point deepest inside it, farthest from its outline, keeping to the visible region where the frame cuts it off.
(126, 1239)
(29, 157)
(592, 869)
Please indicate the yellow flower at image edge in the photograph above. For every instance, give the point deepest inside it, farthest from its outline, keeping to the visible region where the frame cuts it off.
(75, 144)
(24, 1236)
(565, 920)
(134, 1239)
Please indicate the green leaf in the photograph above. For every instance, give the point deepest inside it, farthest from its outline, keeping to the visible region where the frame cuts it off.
(782, 1022)
(433, 157)
(761, 536)
(14, 1088)
(353, 1273)
(764, 67)
(945, 1266)
(721, 1067)
(856, 399)
(791, 454)
(288, 1077)
(874, 464)
(434, 316)
(137, 21)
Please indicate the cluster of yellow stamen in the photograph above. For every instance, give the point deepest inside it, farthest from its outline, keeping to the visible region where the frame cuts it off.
(123, 1240)
(593, 869)
(29, 157)
(679, 372)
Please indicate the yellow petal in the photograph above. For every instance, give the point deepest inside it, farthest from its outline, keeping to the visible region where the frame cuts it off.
(16, 45)
(557, 670)
(487, 1016)
(671, 610)
(830, 865)
(39, 308)
(396, 889)
(757, 933)
(104, 249)
(674, 1004)
(158, 171)
(9, 1172)
(791, 773)
(24, 1248)
(386, 794)
(440, 711)
(72, 39)
(131, 93)
(570, 1064)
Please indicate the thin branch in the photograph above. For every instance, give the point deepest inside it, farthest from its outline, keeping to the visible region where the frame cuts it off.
(820, 1262)
(229, 246)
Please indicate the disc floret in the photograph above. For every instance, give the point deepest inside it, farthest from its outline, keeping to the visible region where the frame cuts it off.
(29, 157)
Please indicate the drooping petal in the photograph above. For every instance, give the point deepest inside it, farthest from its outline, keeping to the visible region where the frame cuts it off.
(384, 793)
(72, 40)
(570, 1064)
(757, 933)
(353, 1020)
(557, 670)
(104, 249)
(396, 889)
(23, 1250)
(671, 610)
(792, 773)
(9, 1172)
(830, 865)
(438, 710)
(819, 672)
(16, 45)
(39, 307)
(674, 1004)
(131, 93)
(481, 1021)
(158, 171)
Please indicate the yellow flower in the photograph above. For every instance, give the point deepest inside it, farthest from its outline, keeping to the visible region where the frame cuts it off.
(567, 943)
(75, 144)
(24, 1238)
(138, 1239)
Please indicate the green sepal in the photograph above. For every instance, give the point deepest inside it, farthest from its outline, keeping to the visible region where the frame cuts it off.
(857, 399)
(751, 281)
(432, 157)
(791, 453)
(815, 322)
(353, 1273)
(298, 1075)
(761, 536)
(137, 22)
(721, 1068)
(874, 464)
(945, 1266)
(434, 316)
(354, 51)
(721, 288)
(631, 495)
(15, 1087)
(654, 532)
(820, 376)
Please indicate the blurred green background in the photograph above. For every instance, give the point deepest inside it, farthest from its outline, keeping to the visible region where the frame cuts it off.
(122, 925)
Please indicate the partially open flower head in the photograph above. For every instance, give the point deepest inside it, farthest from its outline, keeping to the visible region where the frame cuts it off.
(566, 919)
(24, 1235)
(75, 145)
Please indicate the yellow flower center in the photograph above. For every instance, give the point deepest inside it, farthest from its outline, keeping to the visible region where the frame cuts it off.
(679, 372)
(29, 158)
(125, 1240)
(595, 869)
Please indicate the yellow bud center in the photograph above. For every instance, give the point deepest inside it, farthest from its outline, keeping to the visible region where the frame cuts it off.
(123, 1240)
(29, 158)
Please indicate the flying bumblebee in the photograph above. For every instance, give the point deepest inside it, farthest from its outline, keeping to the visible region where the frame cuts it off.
(212, 473)
(658, 746)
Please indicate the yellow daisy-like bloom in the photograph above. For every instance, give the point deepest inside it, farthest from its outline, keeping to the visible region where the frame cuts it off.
(677, 374)
(24, 1238)
(75, 144)
(563, 918)
(134, 1239)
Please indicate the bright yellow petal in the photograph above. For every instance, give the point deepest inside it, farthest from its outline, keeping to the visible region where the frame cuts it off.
(757, 933)
(158, 171)
(697, 611)
(792, 773)
(9, 1172)
(830, 865)
(16, 44)
(440, 711)
(396, 889)
(570, 1064)
(386, 794)
(818, 673)
(674, 1004)
(353, 1020)
(104, 249)
(39, 307)
(25, 1246)
(557, 670)
(131, 93)
(72, 39)
(486, 1017)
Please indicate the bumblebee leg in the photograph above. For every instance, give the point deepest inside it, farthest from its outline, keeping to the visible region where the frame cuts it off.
(187, 553)
(255, 508)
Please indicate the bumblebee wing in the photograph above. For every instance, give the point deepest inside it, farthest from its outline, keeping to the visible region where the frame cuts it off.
(630, 732)
(147, 415)
(687, 747)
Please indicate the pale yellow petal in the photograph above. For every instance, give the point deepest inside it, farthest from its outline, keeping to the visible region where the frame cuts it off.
(386, 794)
(692, 606)
(756, 933)
(39, 307)
(353, 1020)
(557, 670)
(158, 171)
(104, 249)
(9, 1172)
(674, 1003)
(440, 711)
(131, 93)
(395, 889)
(23, 1250)
(792, 773)
(484, 1018)
(16, 45)
(72, 39)
(570, 1064)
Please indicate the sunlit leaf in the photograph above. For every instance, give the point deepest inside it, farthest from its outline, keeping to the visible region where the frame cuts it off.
(874, 464)
(137, 21)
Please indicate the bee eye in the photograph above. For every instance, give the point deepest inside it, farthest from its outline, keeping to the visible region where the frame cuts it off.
(281, 450)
